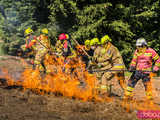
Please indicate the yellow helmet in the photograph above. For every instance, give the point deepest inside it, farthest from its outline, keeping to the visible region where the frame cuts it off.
(94, 41)
(87, 42)
(105, 39)
(28, 31)
(44, 31)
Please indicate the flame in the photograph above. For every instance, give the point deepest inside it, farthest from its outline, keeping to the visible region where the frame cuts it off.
(4, 74)
(69, 78)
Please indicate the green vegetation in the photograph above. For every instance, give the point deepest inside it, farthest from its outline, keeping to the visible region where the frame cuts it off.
(123, 21)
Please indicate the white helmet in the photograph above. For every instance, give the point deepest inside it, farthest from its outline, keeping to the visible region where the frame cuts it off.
(141, 42)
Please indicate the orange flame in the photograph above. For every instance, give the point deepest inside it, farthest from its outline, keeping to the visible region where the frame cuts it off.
(72, 81)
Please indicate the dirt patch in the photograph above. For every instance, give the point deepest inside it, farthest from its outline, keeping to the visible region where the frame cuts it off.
(17, 104)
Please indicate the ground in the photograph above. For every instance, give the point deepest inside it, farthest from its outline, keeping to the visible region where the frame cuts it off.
(17, 104)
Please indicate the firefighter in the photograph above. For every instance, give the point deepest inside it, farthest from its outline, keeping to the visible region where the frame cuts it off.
(140, 64)
(42, 49)
(30, 39)
(65, 49)
(59, 47)
(28, 47)
(95, 46)
(66, 46)
(108, 57)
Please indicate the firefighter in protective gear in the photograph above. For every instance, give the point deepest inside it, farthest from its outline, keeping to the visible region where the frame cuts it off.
(108, 57)
(59, 46)
(94, 45)
(42, 48)
(30, 39)
(65, 49)
(141, 62)
(28, 47)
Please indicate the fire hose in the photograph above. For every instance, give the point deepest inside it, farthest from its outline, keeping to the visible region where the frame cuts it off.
(109, 88)
(107, 70)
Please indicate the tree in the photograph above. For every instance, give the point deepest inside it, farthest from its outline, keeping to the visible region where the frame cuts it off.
(123, 21)
(18, 17)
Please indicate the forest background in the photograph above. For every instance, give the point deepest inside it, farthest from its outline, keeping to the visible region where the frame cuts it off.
(124, 21)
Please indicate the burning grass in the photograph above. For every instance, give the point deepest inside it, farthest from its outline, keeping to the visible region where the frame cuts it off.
(68, 78)
(71, 80)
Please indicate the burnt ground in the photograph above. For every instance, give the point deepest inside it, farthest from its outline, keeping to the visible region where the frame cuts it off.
(17, 104)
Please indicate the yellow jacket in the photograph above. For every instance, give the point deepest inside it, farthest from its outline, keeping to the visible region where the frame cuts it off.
(109, 57)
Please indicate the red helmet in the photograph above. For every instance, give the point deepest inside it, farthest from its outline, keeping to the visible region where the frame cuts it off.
(63, 36)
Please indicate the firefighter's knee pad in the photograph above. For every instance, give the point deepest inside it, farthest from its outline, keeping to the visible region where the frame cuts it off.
(129, 91)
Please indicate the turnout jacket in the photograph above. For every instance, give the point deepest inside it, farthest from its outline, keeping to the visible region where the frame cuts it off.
(109, 57)
(144, 61)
